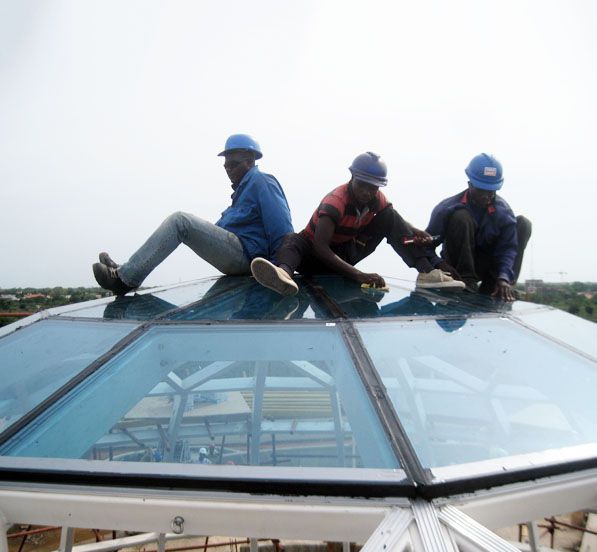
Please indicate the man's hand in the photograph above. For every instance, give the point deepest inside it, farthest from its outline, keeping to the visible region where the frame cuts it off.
(445, 267)
(503, 290)
(372, 279)
(421, 237)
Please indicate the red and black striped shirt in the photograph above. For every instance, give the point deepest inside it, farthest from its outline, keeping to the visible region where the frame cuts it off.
(341, 207)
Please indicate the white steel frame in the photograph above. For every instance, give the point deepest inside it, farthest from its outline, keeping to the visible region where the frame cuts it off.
(459, 523)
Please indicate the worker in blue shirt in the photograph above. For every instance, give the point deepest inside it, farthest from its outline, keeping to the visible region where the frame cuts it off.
(252, 226)
(482, 239)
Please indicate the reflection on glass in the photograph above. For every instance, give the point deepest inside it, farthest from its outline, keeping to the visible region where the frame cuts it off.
(225, 298)
(357, 302)
(490, 389)
(247, 394)
(242, 298)
(145, 305)
(573, 330)
(36, 360)
(136, 307)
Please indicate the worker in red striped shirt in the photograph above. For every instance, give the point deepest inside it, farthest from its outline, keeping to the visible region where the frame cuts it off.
(347, 226)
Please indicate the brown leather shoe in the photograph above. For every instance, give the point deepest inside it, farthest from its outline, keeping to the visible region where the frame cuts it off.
(107, 277)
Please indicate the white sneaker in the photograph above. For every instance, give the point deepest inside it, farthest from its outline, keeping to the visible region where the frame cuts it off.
(438, 279)
(272, 277)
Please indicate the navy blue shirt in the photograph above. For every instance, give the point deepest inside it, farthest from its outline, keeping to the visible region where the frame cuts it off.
(496, 229)
(259, 214)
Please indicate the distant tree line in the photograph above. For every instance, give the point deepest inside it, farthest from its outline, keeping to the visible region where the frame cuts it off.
(31, 300)
(579, 298)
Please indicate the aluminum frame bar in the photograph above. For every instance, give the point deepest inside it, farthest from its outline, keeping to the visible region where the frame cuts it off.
(511, 504)
(67, 539)
(433, 536)
(389, 534)
(124, 542)
(337, 521)
(470, 535)
(4, 525)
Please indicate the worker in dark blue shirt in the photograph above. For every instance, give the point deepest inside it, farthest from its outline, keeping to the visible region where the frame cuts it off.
(482, 239)
(253, 226)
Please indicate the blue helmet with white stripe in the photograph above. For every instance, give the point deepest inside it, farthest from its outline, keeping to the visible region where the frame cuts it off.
(485, 172)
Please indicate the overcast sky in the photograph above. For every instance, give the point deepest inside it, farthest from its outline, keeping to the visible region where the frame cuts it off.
(112, 113)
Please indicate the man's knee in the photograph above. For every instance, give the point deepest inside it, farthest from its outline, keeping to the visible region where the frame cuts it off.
(524, 228)
(461, 218)
(187, 224)
(178, 217)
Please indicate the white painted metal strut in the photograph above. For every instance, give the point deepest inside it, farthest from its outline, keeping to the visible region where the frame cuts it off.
(67, 537)
(426, 528)
(389, 525)
(4, 525)
(256, 517)
(390, 533)
(124, 542)
(434, 538)
(470, 535)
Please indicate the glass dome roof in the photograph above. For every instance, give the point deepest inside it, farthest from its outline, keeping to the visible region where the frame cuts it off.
(223, 384)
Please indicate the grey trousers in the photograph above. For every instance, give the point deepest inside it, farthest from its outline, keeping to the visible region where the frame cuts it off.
(217, 246)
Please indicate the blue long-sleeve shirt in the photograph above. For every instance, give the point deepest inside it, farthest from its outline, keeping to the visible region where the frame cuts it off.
(259, 214)
(496, 229)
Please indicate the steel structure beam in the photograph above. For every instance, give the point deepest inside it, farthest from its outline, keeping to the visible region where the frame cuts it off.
(331, 520)
(470, 535)
(517, 503)
(434, 538)
(390, 534)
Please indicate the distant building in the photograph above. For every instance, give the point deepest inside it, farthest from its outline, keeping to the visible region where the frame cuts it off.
(35, 296)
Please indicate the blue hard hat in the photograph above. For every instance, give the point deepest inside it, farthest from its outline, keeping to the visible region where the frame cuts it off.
(242, 142)
(371, 168)
(485, 172)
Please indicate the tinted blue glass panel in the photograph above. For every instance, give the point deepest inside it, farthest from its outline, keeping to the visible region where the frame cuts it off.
(242, 298)
(38, 359)
(146, 304)
(482, 389)
(225, 298)
(572, 330)
(247, 394)
(358, 302)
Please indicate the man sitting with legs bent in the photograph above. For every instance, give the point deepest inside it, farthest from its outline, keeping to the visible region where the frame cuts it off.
(252, 226)
(348, 225)
(482, 238)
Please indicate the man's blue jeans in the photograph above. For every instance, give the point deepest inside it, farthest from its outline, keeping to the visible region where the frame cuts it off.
(217, 246)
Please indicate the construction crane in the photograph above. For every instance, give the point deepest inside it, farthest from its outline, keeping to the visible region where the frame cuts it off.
(560, 272)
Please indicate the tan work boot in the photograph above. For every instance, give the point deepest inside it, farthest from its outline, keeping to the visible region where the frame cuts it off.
(437, 279)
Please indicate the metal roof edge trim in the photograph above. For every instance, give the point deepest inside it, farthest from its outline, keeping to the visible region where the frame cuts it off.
(263, 481)
(445, 488)
(347, 482)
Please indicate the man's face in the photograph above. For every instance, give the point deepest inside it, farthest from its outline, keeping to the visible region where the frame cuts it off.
(363, 191)
(237, 163)
(481, 198)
